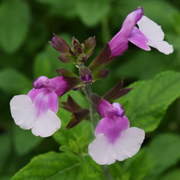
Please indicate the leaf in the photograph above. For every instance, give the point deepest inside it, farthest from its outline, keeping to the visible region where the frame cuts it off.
(164, 150)
(24, 140)
(92, 12)
(14, 82)
(42, 66)
(61, 7)
(14, 23)
(139, 165)
(147, 103)
(57, 166)
(52, 166)
(172, 175)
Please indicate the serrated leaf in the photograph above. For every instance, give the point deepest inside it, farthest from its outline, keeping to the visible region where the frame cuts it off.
(14, 82)
(14, 23)
(52, 166)
(92, 12)
(146, 104)
(57, 166)
(24, 140)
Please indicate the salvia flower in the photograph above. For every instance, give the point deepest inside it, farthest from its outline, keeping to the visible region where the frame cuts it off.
(37, 110)
(114, 140)
(148, 34)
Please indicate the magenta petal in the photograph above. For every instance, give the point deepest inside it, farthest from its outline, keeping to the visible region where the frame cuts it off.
(138, 39)
(102, 107)
(59, 85)
(119, 43)
(112, 128)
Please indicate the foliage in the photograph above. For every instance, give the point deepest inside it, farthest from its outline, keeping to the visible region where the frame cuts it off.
(153, 105)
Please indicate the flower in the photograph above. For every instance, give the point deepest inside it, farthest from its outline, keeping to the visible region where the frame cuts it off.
(115, 140)
(37, 110)
(148, 34)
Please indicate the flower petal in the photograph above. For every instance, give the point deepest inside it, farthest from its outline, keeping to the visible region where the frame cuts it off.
(138, 39)
(155, 35)
(129, 143)
(101, 150)
(150, 29)
(23, 111)
(47, 123)
(163, 47)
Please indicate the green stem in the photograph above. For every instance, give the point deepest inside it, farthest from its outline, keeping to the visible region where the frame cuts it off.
(94, 115)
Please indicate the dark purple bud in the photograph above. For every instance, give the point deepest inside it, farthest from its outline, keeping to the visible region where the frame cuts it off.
(86, 75)
(90, 44)
(76, 46)
(82, 58)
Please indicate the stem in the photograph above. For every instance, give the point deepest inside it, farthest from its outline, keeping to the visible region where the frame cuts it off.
(94, 115)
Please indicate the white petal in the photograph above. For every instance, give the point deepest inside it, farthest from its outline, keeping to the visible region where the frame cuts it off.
(150, 29)
(101, 150)
(47, 124)
(163, 47)
(129, 143)
(23, 111)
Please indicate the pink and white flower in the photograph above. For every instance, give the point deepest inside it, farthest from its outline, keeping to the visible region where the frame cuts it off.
(37, 110)
(148, 34)
(115, 140)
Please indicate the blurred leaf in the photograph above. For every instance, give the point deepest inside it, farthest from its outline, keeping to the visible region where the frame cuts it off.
(24, 140)
(172, 175)
(147, 103)
(13, 82)
(139, 165)
(61, 7)
(42, 66)
(164, 150)
(136, 66)
(57, 166)
(4, 150)
(14, 23)
(92, 12)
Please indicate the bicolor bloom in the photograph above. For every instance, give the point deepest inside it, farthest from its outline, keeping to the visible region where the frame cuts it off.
(37, 110)
(148, 34)
(114, 140)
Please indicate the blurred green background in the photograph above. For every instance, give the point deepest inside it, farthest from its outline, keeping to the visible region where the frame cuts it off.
(26, 26)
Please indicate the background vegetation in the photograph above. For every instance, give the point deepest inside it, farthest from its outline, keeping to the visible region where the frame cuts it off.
(26, 26)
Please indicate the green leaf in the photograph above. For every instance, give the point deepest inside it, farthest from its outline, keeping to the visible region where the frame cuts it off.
(92, 12)
(52, 166)
(139, 165)
(24, 140)
(57, 166)
(172, 175)
(14, 23)
(164, 150)
(14, 82)
(61, 7)
(155, 62)
(147, 103)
